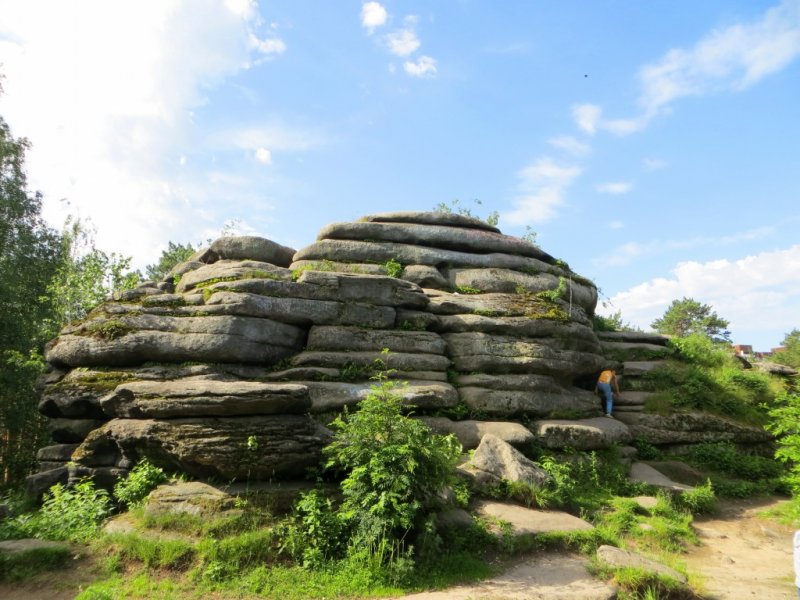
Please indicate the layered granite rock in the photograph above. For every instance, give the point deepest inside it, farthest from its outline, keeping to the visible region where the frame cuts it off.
(232, 365)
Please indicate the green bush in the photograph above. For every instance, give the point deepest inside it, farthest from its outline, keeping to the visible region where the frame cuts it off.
(700, 500)
(67, 513)
(395, 466)
(142, 480)
(727, 458)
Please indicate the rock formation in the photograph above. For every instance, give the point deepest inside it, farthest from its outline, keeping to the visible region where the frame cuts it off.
(232, 365)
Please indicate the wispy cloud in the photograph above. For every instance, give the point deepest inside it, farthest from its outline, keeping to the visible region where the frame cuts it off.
(615, 187)
(587, 116)
(425, 66)
(373, 15)
(654, 164)
(570, 145)
(731, 59)
(403, 42)
(626, 253)
(755, 293)
(542, 187)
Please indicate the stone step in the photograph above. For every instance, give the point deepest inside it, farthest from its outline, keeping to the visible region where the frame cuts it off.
(584, 434)
(637, 368)
(528, 521)
(630, 398)
(644, 473)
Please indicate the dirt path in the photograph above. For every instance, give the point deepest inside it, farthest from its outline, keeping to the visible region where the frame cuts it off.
(743, 556)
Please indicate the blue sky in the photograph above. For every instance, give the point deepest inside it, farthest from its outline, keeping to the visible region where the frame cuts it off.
(654, 146)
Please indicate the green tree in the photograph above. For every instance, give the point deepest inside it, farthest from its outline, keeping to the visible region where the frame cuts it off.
(790, 356)
(687, 316)
(30, 253)
(86, 276)
(174, 254)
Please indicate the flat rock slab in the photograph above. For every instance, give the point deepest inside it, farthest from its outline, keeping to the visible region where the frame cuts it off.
(470, 433)
(632, 399)
(205, 398)
(618, 558)
(191, 497)
(646, 474)
(542, 577)
(530, 521)
(585, 434)
(333, 395)
(691, 428)
(430, 218)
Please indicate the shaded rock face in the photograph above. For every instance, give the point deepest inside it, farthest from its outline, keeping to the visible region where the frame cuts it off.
(230, 366)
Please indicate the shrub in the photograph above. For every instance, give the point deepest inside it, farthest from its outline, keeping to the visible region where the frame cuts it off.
(392, 268)
(700, 500)
(142, 479)
(395, 469)
(67, 513)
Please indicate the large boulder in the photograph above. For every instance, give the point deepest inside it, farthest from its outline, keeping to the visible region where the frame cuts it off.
(502, 460)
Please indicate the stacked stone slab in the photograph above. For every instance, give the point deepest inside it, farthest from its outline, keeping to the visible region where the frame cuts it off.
(231, 365)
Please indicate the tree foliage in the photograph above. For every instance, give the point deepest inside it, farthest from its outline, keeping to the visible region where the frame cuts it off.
(790, 356)
(30, 253)
(86, 275)
(688, 316)
(47, 278)
(174, 254)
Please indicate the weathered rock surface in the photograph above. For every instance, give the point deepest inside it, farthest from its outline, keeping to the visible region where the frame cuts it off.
(190, 497)
(234, 346)
(230, 270)
(262, 447)
(334, 395)
(585, 434)
(470, 433)
(207, 398)
(504, 461)
(482, 352)
(249, 248)
(20, 548)
(431, 218)
(618, 558)
(548, 401)
(690, 428)
(145, 338)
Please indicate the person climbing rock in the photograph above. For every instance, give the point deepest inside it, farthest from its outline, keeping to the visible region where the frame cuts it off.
(608, 386)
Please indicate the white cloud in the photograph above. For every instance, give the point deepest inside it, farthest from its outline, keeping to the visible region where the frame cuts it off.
(654, 164)
(424, 67)
(263, 156)
(373, 15)
(268, 46)
(730, 59)
(571, 145)
(616, 187)
(127, 76)
(586, 116)
(542, 186)
(402, 42)
(756, 293)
